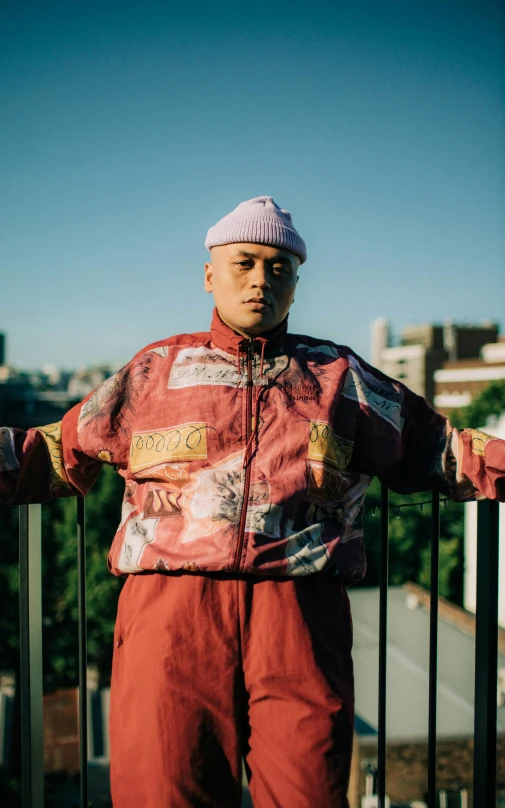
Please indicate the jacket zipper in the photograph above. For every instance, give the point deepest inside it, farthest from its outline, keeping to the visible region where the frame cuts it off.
(247, 480)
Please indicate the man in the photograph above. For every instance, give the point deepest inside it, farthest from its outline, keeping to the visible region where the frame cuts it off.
(246, 453)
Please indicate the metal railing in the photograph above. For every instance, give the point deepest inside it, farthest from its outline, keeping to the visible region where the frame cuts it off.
(486, 654)
(30, 618)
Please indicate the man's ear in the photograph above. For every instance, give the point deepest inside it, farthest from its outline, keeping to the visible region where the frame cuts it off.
(208, 270)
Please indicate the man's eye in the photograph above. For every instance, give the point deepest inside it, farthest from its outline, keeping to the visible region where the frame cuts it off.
(243, 263)
(280, 269)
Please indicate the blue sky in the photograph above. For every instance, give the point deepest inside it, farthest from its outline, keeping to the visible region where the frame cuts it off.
(129, 128)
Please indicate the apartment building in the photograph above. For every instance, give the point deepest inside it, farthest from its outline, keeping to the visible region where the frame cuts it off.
(422, 350)
(457, 383)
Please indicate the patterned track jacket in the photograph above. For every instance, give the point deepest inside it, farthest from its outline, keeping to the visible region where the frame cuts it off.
(248, 455)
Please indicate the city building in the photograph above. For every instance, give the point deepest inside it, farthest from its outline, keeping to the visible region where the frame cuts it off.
(424, 349)
(458, 382)
(43, 396)
(381, 339)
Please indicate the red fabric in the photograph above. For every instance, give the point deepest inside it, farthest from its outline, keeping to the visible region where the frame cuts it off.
(226, 339)
(207, 668)
(248, 456)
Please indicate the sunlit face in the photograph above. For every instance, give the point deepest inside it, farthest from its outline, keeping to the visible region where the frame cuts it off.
(253, 285)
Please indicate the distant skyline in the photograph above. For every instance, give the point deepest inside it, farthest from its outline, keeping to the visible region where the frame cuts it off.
(130, 128)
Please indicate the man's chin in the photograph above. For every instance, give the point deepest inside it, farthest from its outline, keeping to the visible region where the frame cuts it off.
(258, 323)
(254, 324)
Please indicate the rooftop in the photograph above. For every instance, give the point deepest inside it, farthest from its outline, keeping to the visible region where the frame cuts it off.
(408, 661)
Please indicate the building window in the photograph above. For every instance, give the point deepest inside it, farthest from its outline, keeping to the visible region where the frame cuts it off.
(455, 798)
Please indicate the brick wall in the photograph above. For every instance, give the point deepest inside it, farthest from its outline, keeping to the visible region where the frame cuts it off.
(61, 731)
(407, 768)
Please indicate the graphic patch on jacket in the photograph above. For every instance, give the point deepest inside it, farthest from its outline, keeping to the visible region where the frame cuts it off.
(214, 502)
(175, 443)
(305, 553)
(194, 367)
(52, 435)
(380, 397)
(8, 459)
(113, 405)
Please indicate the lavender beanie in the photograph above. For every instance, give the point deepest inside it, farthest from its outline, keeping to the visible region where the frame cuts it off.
(258, 221)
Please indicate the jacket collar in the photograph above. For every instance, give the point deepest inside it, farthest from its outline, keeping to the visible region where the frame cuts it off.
(228, 340)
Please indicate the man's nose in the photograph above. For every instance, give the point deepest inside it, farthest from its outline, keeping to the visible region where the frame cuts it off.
(259, 277)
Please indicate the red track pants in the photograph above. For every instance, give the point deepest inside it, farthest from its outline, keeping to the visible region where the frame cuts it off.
(210, 669)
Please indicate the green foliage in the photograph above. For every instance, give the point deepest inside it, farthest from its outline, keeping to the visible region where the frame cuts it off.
(10, 790)
(59, 583)
(491, 402)
(9, 584)
(448, 564)
(103, 505)
(410, 543)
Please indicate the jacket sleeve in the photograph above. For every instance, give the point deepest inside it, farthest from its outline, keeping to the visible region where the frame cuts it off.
(461, 464)
(64, 459)
(412, 448)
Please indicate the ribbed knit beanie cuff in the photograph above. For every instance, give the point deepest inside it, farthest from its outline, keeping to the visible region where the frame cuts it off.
(258, 221)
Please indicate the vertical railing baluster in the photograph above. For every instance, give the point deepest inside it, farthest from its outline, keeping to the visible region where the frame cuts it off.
(31, 686)
(486, 655)
(83, 666)
(383, 629)
(433, 664)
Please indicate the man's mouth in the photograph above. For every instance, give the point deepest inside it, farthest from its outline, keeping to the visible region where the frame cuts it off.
(258, 303)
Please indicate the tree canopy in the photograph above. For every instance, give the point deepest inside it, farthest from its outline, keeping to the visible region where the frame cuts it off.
(59, 583)
(490, 403)
(410, 542)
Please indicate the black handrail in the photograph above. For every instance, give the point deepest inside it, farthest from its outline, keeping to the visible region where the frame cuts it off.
(383, 637)
(433, 665)
(83, 661)
(486, 653)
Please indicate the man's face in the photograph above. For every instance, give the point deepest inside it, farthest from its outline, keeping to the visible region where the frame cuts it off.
(253, 285)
